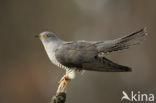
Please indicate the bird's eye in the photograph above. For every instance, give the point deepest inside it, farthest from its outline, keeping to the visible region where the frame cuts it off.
(47, 35)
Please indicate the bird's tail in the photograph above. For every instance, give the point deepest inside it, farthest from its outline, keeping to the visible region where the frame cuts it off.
(122, 43)
(129, 40)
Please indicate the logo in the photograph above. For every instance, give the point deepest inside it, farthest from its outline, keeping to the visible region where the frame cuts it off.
(138, 96)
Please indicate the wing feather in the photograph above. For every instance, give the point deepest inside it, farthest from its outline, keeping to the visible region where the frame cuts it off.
(84, 56)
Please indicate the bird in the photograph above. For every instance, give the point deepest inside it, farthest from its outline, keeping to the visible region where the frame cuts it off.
(82, 55)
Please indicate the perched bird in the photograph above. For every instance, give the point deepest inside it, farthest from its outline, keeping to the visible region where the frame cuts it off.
(87, 55)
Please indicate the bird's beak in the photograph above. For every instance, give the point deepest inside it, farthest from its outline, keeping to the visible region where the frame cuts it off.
(36, 36)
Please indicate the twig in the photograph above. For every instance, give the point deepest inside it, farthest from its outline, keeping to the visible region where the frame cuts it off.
(60, 96)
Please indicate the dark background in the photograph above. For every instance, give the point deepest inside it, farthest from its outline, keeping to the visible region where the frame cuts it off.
(26, 73)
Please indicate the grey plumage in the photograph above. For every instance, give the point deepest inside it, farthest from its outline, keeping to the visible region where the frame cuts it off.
(88, 55)
(84, 56)
(121, 43)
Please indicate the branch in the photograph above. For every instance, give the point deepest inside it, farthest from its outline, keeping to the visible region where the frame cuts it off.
(60, 96)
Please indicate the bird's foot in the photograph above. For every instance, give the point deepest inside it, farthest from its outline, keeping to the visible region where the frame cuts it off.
(64, 79)
(63, 83)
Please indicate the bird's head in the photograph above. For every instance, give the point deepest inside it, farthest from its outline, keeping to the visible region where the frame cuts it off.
(47, 36)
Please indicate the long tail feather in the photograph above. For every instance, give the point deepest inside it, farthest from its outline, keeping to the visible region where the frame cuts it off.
(123, 42)
(129, 40)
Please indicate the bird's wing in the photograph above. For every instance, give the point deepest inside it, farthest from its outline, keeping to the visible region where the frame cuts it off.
(121, 43)
(85, 56)
(73, 54)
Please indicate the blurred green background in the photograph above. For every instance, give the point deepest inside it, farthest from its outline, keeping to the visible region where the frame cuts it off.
(26, 73)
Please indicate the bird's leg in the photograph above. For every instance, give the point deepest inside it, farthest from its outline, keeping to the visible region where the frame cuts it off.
(70, 74)
(60, 96)
(63, 83)
(64, 78)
